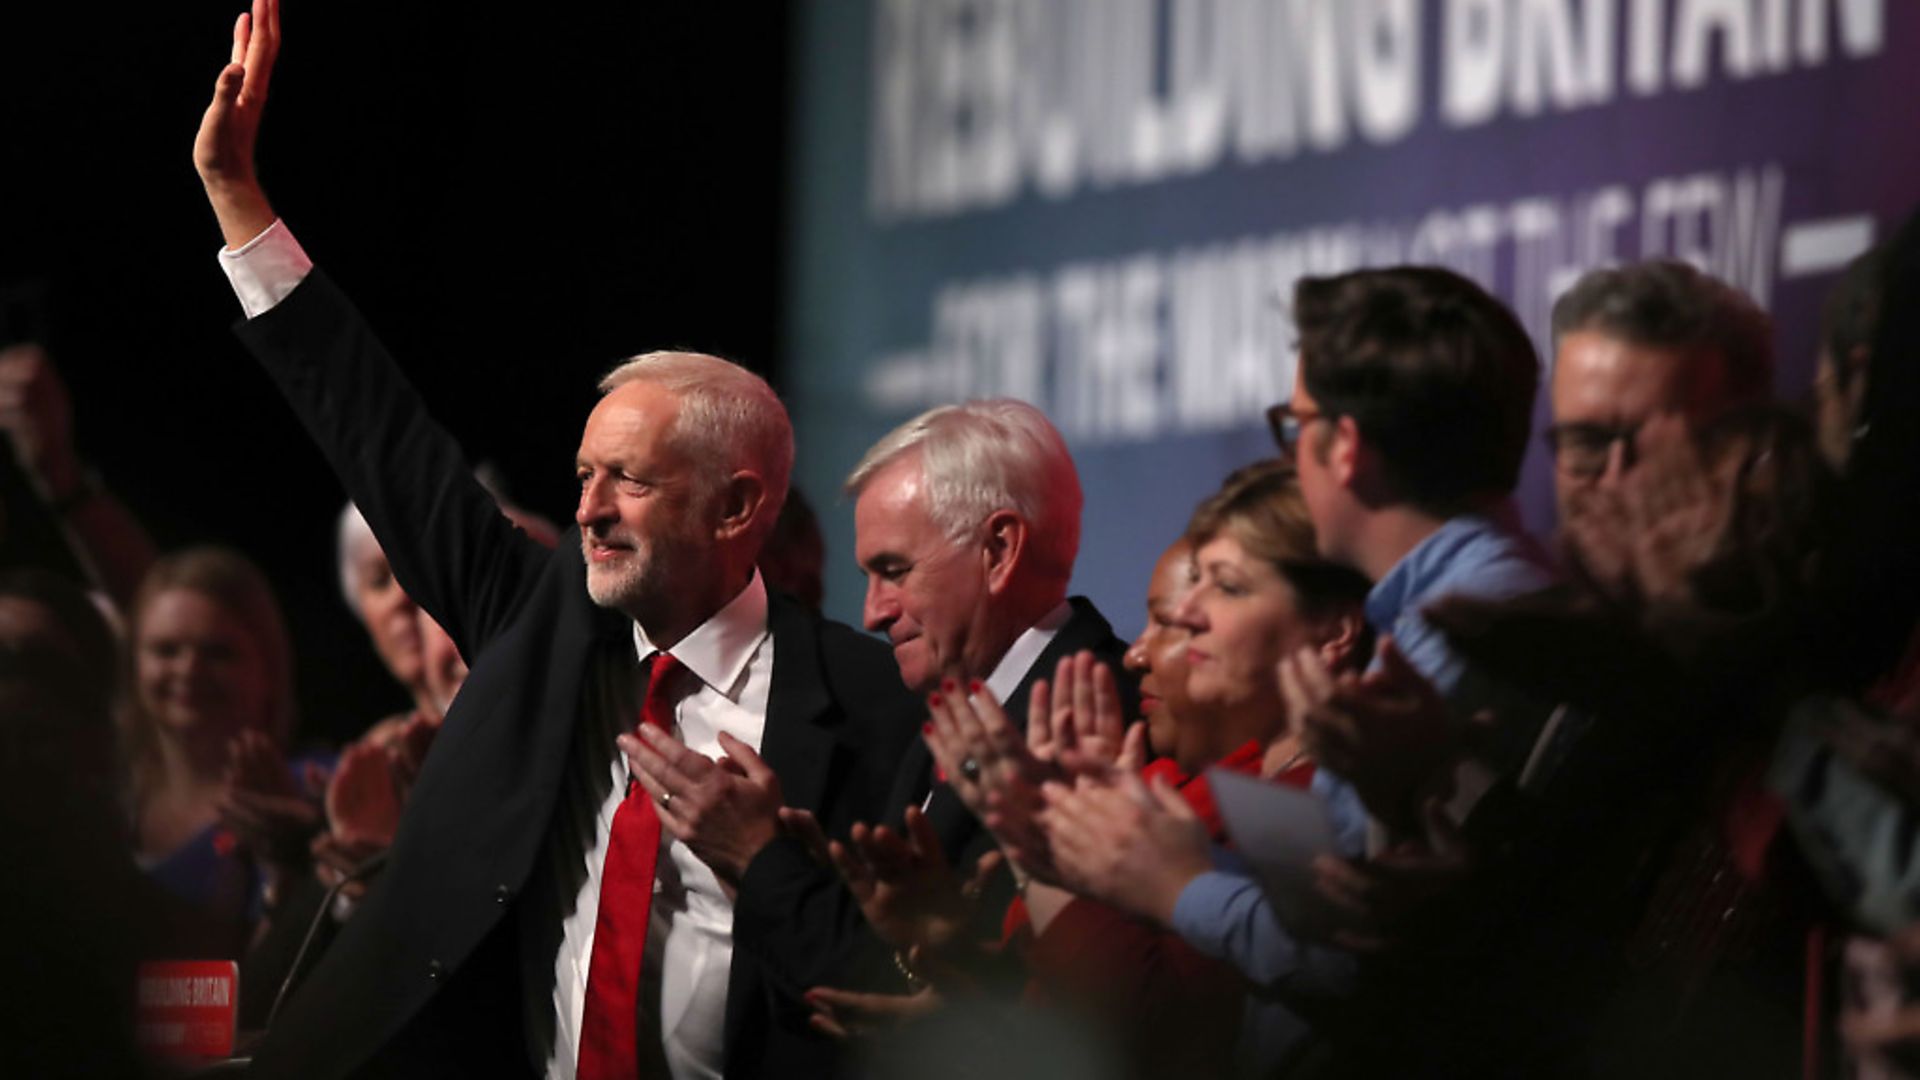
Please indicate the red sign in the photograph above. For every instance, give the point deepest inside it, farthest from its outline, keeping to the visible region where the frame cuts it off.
(186, 1009)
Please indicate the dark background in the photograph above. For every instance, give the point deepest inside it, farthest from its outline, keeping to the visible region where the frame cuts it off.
(515, 202)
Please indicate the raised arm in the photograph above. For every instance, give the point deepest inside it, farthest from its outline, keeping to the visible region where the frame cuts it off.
(223, 151)
(451, 549)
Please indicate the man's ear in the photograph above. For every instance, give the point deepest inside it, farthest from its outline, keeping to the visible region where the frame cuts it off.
(741, 499)
(1340, 637)
(1002, 546)
(1344, 451)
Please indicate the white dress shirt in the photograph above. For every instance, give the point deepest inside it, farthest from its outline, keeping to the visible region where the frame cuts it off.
(690, 935)
(1020, 656)
(689, 952)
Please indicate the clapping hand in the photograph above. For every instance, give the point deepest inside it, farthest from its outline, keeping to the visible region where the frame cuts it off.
(1077, 717)
(1125, 843)
(261, 804)
(1073, 724)
(1642, 539)
(364, 799)
(725, 811)
(904, 885)
(1386, 732)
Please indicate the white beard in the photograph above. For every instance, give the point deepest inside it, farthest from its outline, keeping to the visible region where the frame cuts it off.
(623, 582)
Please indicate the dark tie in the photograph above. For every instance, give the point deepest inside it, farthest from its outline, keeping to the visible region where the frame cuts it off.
(609, 1032)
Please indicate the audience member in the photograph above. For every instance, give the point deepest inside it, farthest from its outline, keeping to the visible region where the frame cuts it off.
(211, 693)
(383, 607)
(1409, 420)
(36, 415)
(1846, 764)
(1679, 925)
(82, 915)
(967, 522)
(1637, 341)
(1158, 656)
(1262, 594)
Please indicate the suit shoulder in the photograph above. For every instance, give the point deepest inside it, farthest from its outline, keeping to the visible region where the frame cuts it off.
(855, 668)
(856, 653)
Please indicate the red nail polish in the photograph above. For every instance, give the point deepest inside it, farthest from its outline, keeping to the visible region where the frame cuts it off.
(933, 700)
(947, 685)
(926, 728)
(974, 686)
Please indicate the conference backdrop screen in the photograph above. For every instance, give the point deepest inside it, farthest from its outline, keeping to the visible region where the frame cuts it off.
(1100, 206)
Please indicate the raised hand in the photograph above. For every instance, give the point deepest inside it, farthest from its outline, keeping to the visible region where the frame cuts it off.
(975, 744)
(903, 884)
(725, 811)
(364, 798)
(1079, 713)
(1386, 732)
(987, 763)
(1125, 843)
(1598, 536)
(1642, 539)
(262, 805)
(223, 150)
(1679, 508)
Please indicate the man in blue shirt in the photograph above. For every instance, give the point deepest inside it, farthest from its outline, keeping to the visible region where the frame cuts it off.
(1412, 407)
(1411, 412)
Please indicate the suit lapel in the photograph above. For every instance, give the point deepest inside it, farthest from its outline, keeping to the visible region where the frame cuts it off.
(795, 742)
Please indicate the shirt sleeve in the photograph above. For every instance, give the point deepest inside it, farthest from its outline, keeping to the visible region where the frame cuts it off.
(1859, 839)
(1224, 914)
(265, 269)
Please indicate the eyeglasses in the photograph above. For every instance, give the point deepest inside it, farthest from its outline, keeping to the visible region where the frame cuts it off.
(1582, 450)
(1287, 422)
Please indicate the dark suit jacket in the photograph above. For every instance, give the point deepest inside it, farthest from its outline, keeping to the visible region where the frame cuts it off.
(448, 968)
(783, 880)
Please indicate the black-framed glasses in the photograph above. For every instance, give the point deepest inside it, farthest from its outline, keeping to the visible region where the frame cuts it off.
(1287, 421)
(1583, 450)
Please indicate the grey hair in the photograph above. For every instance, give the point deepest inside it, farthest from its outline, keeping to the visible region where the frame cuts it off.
(1671, 305)
(983, 456)
(729, 418)
(351, 535)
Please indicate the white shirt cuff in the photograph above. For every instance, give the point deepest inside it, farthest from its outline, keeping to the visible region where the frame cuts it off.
(265, 269)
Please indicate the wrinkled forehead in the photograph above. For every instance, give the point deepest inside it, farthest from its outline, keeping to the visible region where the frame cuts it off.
(632, 416)
(1602, 377)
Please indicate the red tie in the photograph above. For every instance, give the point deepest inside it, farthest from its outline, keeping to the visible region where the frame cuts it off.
(609, 1033)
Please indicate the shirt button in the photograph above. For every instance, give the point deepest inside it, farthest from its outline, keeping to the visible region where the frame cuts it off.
(435, 969)
(502, 894)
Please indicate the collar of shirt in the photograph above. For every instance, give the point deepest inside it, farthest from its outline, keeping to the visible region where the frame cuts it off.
(1026, 648)
(718, 650)
(1433, 562)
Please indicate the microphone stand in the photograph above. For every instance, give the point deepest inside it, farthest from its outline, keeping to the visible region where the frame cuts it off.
(358, 873)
